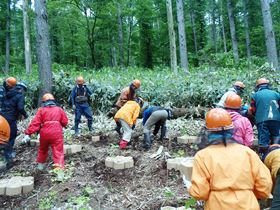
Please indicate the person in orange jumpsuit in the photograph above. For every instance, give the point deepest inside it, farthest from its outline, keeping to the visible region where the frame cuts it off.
(226, 174)
(49, 120)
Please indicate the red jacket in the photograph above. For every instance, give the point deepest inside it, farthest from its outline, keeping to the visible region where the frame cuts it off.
(49, 121)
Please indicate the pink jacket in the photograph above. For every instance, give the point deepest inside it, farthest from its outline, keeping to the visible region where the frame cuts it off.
(243, 131)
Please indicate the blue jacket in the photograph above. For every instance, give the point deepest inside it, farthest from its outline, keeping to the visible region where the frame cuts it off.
(80, 91)
(13, 105)
(147, 113)
(265, 105)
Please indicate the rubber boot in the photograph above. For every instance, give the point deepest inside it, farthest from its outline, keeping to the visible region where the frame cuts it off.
(76, 128)
(41, 166)
(163, 132)
(9, 163)
(147, 141)
(90, 126)
(123, 144)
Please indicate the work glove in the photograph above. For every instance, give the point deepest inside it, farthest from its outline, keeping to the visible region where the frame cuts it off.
(25, 139)
(133, 127)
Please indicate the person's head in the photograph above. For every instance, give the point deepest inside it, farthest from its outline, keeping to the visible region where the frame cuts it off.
(262, 82)
(233, 101)
(4, 131)
(140, 101)
(218, 125)
(239, 87)
(80, 81)
(48, 99)
(135, 84)
(9, 83)
(22, 85)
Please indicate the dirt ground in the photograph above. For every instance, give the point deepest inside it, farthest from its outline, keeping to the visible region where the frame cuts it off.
(91, 185)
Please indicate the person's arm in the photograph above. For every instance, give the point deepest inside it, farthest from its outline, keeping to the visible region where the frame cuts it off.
(146, 115)
(200, 188)
(136, 114)
(249, 134)
(73, 96)
(35, 124)
(89, 92)
(64, 118)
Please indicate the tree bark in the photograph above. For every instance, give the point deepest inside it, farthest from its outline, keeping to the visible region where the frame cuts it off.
(120, 31)
(269, 35)
(232, 31)
(26, 28)
(213, 25)
(182, 36)
(223, 27)
(8, 36)
(43, 46)
(246, 27)
(172, 39)
(192, 17)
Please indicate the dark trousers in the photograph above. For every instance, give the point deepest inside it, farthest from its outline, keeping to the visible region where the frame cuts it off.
(8, 150)
(83, 109)
(268, 130)
(276, 193)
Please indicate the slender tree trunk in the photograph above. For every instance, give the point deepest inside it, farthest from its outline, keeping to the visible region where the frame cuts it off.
(232, 31)
(120, 31)
(269, 35)
(213, 25)
(130, 20)
(8, 37)
(182, 35)
(43, 46)
(172, 39)
(223, 28)
(26, 28)
(246, 26)
(193, 28)
(114, 54)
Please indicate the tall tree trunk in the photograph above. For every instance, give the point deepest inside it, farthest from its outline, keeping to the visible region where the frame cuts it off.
(246, 27)
(193, 27)
(223, 27)
(213, 26)
(172, 39)
(120, 31)
(130, 28)
(182, 36)
(27, 51)
(269, 35)
(43, 46)
(232, 31)
(8, 37)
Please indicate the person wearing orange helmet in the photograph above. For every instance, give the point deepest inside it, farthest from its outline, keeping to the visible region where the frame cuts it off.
(127, 117)
(226, 174)
(12, 106)
(265, 107)
(237, 88)
(243, 130)
(80, 96)
(128, 93)
(49, 120)
(4, 134)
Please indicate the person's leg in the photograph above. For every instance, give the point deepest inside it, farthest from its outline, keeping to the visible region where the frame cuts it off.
(58, 153)
(78, 115)
(161, 117)
(276, 193)
(274, 129)
(8, 150)
(88, 114)
(263, 134)
(43, 151)
(127, 132)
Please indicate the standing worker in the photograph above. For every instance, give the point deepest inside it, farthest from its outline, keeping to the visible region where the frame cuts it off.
(265, 107)
(226, 174)
(12, 107)
(80, 96)
(126, 117)
(4, 135)
(157, 116)
(49, 121)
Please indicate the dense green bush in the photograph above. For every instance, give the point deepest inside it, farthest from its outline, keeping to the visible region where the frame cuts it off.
(203, 86)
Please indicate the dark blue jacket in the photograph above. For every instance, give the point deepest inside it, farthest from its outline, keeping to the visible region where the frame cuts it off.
(13, 105)
(80, 91)
(148, 112)
(265, 105)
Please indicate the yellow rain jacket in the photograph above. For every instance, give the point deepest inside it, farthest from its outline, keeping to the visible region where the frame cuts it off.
(129, 113)
(229, 178)
(272, 161)
(124, 97)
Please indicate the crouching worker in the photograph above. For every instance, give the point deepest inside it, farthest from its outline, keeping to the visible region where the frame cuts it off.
(272, 161)
(4, 136)
(226, 174)
(126, 117)
(155, 116)
(243, 130)
(49, 121)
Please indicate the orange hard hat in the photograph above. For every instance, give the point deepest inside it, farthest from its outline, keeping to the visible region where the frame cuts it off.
(4, 131)
(218, 119)
(233, 101)
(11, 81)
(80, 80)
(239, 84)
(47, 96)
(136, 83)
(262, 81)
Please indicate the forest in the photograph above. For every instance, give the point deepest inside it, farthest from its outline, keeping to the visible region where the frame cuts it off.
(186, 53)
